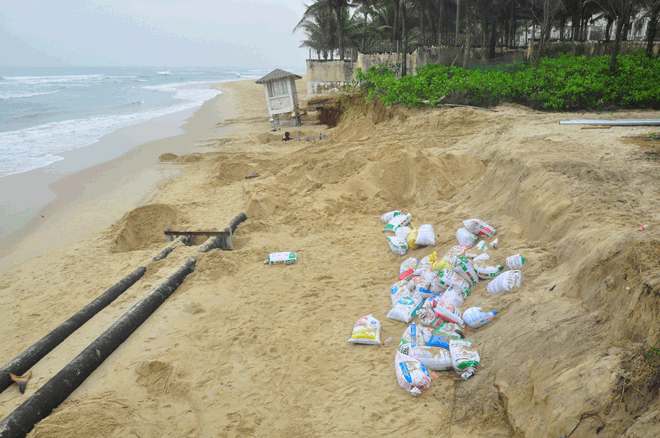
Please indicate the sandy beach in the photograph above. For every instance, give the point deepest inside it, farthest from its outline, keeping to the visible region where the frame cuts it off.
(242, 349)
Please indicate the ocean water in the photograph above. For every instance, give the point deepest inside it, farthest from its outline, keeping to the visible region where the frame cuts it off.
(46, 111)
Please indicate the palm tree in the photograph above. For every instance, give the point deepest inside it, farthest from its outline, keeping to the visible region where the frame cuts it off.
(317, 24)
(319, 7)
(622, 10)
(653, 14)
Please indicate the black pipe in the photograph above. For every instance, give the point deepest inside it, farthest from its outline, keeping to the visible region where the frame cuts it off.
(236, 221)
(27, 359)
(20, 422)
(164, 253)
(186, 240)
(223, 242)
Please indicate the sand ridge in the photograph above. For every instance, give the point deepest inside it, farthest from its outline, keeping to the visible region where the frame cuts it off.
(244, 349)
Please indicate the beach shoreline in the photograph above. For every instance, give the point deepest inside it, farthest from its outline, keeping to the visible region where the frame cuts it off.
(122, 168)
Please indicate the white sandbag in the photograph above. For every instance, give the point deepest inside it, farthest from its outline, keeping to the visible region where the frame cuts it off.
(409, 263)
(481, 258)
(482, 245)
(453, 297)
(424, 265)
(426, 315)
(436, 286)
(405, 309)
(399, 290)
(465, 237)
(397, 222)
(281, 258)
(463, 286)
(459, 289)
(443, 334)
(433, 358)
(486, 272)
(389, 216)
(425, 235)
(464, 357)
(479, 227)
(494, 243)
(414, 336)
(515, 262)
(507, 281)
(449, 278)
(402, 232)
(463, 267)
(411, 374)
(366, 331)
(475, 318)
(397, 245)
(455, 252)
(445, 310)
(421, 285)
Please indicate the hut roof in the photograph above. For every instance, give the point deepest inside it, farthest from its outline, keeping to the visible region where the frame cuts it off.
(277, 74)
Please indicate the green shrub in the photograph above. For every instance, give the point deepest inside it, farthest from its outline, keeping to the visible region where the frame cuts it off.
(564, 83)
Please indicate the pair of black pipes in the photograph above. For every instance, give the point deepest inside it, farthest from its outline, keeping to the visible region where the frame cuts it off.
(20, 422)
(26, 360)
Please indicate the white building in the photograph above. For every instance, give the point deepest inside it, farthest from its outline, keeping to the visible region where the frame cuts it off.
(281, 95)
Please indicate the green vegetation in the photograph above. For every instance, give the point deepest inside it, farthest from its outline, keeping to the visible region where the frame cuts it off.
(566, 83)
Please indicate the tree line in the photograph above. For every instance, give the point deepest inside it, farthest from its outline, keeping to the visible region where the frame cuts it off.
(339, 27)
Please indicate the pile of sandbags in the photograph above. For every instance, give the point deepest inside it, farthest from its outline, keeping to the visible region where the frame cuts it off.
(433, 290)
(404, 237)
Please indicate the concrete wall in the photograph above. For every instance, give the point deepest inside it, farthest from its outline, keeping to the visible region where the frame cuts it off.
(324, 75)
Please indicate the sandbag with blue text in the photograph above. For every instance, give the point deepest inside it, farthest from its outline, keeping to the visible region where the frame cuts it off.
(411, 374)
(405, 309)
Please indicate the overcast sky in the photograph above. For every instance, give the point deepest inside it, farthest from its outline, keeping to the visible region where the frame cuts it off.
(52, 33)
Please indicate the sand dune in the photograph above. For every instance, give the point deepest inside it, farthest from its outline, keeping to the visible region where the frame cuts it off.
(243, 349)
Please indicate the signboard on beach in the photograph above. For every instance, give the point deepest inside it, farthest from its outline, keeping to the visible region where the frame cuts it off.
(280, 104)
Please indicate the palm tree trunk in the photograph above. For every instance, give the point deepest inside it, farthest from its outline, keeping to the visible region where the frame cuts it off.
(441, 22)
(608, 28)
(404, 37)
(458, 17)
(469, 13)
(513, 24)
(421, 21)
(651, 30)
(364, 35)
(493, 38)
(484, 25)
(340, 31)
(617, 43)
(575, 23)
(395, 28)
